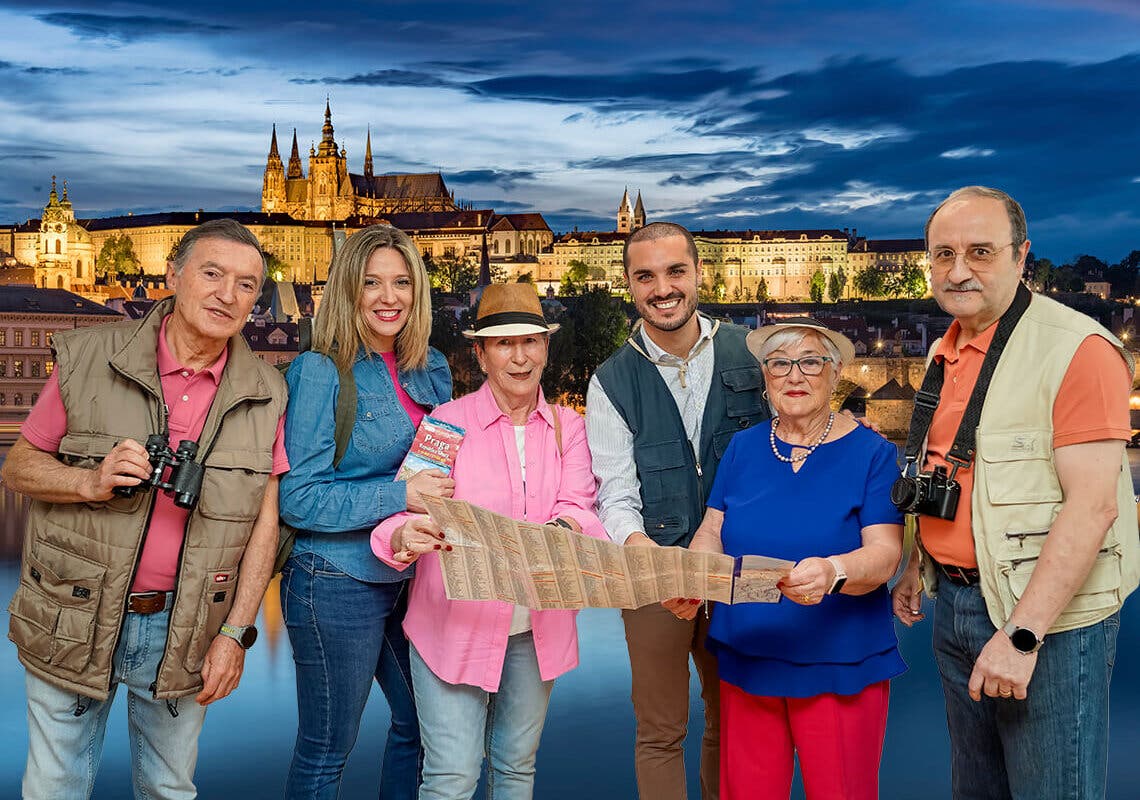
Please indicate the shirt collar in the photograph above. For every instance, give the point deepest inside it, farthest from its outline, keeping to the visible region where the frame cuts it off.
(168, 364)
(948, 349)
(655, 353)
(487, 411)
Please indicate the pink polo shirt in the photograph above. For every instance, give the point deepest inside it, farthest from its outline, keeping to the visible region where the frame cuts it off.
(189, 395)
(465, 642)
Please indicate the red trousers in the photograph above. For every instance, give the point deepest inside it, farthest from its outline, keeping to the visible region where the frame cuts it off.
(838, 738)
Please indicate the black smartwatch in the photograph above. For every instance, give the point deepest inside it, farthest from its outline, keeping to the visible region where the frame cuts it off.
(245, 635)
(1023, 640)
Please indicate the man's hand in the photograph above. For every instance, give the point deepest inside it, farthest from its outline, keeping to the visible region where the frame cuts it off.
(1001, 670)
(864, 421)
(221, 671)
(639, 539)
(126, 465)
(907, 595)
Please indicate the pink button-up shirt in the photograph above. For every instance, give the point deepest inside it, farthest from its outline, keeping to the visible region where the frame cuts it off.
(465, 641)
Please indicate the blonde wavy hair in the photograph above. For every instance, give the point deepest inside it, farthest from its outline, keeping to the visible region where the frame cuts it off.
(339, 331)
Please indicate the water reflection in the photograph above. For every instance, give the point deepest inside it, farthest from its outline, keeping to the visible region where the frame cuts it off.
(587, 746)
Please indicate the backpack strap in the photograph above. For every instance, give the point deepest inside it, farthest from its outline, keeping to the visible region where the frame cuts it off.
(345, 413)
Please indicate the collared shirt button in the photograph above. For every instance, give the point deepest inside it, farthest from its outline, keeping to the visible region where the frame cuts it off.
(185, 398)
(185, 374)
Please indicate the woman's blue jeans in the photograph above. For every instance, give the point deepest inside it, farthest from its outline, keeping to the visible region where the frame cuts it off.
(345, 634)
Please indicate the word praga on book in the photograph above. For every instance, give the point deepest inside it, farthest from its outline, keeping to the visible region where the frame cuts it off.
(435, 447)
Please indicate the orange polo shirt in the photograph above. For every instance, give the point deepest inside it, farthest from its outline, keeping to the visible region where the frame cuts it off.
(1091, 405)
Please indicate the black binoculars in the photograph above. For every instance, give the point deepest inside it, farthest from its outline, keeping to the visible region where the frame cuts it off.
(185, 482)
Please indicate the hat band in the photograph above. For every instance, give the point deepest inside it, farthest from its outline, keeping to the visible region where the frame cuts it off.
(510, 318)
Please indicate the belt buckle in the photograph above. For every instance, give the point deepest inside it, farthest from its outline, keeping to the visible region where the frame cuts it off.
(146, 602)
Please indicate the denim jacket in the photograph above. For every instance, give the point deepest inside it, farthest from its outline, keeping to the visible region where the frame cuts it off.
(334, 511)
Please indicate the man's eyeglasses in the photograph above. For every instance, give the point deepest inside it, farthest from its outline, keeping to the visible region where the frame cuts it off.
(978, 255)
(809, 365)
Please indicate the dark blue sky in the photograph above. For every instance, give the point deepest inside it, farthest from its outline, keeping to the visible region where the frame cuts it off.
(754, 114)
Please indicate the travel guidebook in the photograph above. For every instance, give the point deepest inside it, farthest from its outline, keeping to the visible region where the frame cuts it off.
(435, 447)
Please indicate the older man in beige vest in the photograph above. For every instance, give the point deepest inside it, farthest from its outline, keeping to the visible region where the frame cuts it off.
(145, 566)
(1031, 565)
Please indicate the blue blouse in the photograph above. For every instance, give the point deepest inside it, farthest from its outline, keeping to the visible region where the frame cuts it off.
(334, 511)
(846, 642)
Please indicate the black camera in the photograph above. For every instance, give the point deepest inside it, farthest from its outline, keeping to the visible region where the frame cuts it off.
(185, 482)
(934, 494)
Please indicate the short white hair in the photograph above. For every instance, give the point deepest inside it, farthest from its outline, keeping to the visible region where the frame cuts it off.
(792, 337)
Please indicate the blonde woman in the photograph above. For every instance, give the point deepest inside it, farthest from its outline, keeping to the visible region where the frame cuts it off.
(344, 608)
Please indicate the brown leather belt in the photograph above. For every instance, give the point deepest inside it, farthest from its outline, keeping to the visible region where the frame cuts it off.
(146, 602)
(962, 576)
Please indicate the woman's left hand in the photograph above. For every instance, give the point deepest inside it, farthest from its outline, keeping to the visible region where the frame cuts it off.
(808, 581)
(682, 607)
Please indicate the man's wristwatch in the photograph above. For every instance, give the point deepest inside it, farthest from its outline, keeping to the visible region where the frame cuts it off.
(840, 576)
(245, 635)
(1023, 640)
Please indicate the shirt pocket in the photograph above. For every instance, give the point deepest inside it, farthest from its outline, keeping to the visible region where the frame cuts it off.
(382, 429)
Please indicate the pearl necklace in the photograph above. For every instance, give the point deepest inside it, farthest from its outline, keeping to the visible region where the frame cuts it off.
(793, 459)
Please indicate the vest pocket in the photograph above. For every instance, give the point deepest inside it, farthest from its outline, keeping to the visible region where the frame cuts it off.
(1099, 593)
(662, 469)
(213, 606)
(53, 612)
(742, 391)
(1018, 467)
(233, 485)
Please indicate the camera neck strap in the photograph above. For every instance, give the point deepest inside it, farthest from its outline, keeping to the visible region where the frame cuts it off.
(927, 398)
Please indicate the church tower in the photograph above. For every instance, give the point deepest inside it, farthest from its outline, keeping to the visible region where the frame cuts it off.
(368, 157)
(295, 168)
(638, 213)
(330, 193)
(64, 254)
(273, 185)
(625, 214)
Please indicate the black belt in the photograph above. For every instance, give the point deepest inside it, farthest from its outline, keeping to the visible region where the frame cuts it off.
(146, 602)
(961, 576)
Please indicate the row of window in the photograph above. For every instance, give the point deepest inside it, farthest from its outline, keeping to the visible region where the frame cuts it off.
(33, 366)
(18, 398)
(18, 338)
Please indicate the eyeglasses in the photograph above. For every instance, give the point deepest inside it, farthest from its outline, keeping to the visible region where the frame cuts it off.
(809, 365)
(978, 255)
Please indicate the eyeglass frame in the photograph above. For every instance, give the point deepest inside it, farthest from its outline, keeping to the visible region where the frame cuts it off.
(794, 363)
(965, 256)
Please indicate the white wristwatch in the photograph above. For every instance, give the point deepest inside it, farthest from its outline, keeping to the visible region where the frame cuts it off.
(840, 576)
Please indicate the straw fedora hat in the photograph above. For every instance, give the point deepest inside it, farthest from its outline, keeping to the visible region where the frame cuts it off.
(509, 309)
(756, 338)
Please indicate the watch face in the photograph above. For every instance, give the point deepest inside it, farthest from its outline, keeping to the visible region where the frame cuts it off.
(1024, 640)
(249, 637)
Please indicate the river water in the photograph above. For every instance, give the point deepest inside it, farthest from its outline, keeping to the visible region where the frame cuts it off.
(587, 745)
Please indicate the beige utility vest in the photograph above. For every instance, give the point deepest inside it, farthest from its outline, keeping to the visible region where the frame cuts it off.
(79, 558)
(1017, 494)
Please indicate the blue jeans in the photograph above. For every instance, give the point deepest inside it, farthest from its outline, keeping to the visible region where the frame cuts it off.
(64, 749)
(345, 634)
(463, 724)
(1054, 744)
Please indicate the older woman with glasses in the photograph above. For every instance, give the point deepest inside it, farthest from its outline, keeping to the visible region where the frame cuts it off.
(809, 675)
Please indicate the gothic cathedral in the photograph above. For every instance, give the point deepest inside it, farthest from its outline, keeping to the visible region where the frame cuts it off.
(331, 192)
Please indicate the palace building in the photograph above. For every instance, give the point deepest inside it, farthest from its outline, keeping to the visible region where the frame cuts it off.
(330, 192)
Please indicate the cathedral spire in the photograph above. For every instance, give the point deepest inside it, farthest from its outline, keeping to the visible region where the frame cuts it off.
(273, 154)
(368, 155)
(64, 201)
(295, 170)
(328, 143)
(638, 213)
(53, 197)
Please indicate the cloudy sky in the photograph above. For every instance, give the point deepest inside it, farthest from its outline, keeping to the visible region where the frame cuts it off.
(763, 114)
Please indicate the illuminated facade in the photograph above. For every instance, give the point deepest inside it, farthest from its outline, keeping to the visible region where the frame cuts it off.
(331, 192)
